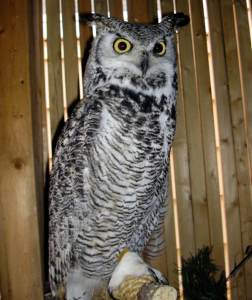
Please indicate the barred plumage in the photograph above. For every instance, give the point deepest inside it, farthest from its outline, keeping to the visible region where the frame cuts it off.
(110, 169)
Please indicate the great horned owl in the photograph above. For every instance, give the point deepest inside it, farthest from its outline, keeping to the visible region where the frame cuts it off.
(110, 169)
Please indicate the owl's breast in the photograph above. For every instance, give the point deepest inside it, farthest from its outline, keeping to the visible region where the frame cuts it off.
(131, 149)
(125, 177)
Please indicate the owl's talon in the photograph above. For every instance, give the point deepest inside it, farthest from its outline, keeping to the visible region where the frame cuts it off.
(153, 274)
(132, 264)
(164, 280)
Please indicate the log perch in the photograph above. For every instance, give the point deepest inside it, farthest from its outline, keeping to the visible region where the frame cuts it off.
(135, 288)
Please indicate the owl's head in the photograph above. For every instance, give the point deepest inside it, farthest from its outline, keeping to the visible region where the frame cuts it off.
(128, 54)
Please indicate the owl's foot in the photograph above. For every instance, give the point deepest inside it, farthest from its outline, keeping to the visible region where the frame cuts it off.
(132, 264)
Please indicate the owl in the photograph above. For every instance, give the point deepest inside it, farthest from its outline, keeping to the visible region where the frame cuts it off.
(109, 177)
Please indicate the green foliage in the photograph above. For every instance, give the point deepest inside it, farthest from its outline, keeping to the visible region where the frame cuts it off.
(198, 275)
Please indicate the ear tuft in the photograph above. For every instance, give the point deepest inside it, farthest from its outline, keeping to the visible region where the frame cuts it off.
(181, 20)
(90, 18)
(174, 21)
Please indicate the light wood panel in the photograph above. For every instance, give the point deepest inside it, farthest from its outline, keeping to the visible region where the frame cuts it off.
(85, 33)
(245, 60)
(182, 179)
(101, 7)
(235, 245)
(70, 52)
(236, 33)
(20, 259)
(193, 132)
(139, 11)
(167, 7)
(153, 17)
(227, 89)
(39, 126)
(207, 130)
(54, 69)
(116, 9)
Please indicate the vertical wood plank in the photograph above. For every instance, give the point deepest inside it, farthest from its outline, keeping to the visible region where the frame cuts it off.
(54, 69)
(116, 9)
(130, 10)
(101, 7)
(20, 272)
(138, 11)
(207, 130)
(235, 244)
(244, 47)
(141, 12)
(84, 6)
(236, 83)
(86, 36)
(39, 126)
(182, 178)
(153, 16)
(70, 51)
(167, 7)
(193, 131)
(225, 130)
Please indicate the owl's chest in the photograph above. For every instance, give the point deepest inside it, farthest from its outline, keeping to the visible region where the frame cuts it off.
(133, 136)
(130, 147)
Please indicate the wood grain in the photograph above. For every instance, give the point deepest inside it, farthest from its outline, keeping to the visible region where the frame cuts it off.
(207, 130)
(241, 210)
(54, 70)
(193, 133)
(70, 52)
(86, 36)
(39, 126)
(101, 7)
(225, 130)
(167, 7)
(20, 260)
(182, 179)
(245, 60)
(116, 9)
(138, 11)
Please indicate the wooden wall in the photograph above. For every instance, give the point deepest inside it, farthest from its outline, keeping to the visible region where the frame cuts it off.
(210, 190)
(21, 150)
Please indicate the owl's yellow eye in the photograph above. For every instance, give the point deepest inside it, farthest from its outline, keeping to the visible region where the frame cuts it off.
(159, 48)
(122, 46)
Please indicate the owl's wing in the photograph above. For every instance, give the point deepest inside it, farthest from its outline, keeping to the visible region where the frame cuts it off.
(68, 189)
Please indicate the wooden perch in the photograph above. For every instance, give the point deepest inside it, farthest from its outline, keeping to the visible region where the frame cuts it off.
(135, 288)
(139, 288)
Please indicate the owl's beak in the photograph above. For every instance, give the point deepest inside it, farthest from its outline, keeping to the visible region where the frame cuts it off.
(144, 63)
